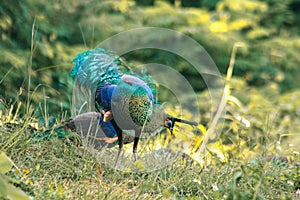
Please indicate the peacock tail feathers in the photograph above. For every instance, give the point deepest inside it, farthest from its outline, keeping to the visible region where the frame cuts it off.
(99, 67)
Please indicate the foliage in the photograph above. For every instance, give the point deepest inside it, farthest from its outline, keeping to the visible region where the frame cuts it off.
(62, 28)
(39, 39)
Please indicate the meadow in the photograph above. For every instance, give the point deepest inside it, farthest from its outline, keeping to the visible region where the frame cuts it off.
(246, 145)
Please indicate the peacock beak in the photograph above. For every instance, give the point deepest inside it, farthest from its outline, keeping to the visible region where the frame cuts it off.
(170, 122)
(169, 125)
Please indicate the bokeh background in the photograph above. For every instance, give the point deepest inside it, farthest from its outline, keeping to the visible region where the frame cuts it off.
(39, 39)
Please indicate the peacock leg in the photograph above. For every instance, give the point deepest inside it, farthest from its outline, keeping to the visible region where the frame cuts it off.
(120, 140)
(135, 143)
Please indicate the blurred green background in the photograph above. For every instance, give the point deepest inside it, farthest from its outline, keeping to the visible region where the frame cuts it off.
(42, 37)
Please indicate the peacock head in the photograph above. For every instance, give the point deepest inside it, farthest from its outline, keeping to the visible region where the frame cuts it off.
(170, 122)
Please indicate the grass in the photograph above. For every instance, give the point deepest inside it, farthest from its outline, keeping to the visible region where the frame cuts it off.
(60, 169)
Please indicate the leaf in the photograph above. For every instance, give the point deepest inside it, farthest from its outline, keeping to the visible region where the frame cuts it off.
(38, 166)
(3, 183)
(9, 191)
(202, 129)
(5, 163)
(234, 101)
(140, 165)
(218, 27)
(238, 176)
(15, 193)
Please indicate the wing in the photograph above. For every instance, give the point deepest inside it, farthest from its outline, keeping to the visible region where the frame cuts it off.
(93, 131)
(93, 69)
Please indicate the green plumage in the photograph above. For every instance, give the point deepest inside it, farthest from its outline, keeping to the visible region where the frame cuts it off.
(97, 67)
(132, 99)
(133, 102)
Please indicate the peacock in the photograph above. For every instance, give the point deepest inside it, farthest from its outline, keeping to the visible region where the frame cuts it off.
(121, 99)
